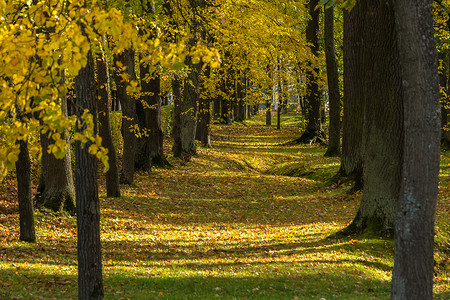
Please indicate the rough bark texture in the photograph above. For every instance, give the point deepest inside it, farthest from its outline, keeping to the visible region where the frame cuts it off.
(353, 119)
(156, 135)
(90, 280)
(412, 277)
(313, 126)
(26, 212)
(112, 175)
(382, 122)
(189, 109)
(334, 131)
(128, 104)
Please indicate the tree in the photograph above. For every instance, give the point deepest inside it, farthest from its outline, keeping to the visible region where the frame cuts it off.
(126, 61)
(412, 277)
(353, 119)
(103, 87)
(90, 280)
(313, 126)
(382, 129)
(56, 187)
(334, 131)
(26, 211)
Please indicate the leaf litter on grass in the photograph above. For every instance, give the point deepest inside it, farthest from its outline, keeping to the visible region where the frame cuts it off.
(219, 227)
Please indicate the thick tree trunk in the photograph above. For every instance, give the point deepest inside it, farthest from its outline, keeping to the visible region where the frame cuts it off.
(156, 136)
(56, 187)
(26, 211)
(128, 104)
(313, 130)
(334, 131)
(189, 109)
(353, 119)
(90, 280)
(382, 122)
(103, 87)
(412, 277)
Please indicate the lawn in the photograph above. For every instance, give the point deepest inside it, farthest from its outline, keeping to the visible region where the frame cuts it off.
(229, 224)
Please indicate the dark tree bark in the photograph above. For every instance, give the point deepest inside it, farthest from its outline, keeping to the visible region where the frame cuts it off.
(56, 188)
(313, 126)
(176, 88)
(216, 108)
(189, 109)
(204, 123)
(103, 86)
(382, 122)
(445, 101)
(26, 211)
(128, 104)
(412, 277)
(334, 131)
(269, 111)
(353, 119)
(280, 104)
(225, 111)
(151, 90)
(90, 280)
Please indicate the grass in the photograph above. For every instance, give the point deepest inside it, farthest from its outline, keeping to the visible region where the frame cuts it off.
(226, 225)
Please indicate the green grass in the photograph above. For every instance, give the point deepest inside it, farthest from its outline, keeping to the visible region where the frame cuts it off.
(227, 225)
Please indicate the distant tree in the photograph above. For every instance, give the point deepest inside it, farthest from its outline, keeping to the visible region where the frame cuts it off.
(151, 90)
(412, 277)
(103, 87)
(56, 188)
(126, 59)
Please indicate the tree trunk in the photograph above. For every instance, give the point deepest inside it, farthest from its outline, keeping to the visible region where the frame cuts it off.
(103, 87)
(189, 109)
(176, 87)
(268, 113)
(128, 104)
(26, 211)
(217, 108)
(353, 119)
(313, 126)
(152, 95)
(280, 104)
(56, 187)
(334, 131)
(90, 281)
(204, 123)
(382, 122)
(412, 277)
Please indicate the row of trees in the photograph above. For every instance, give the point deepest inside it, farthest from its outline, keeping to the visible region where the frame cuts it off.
(90, 47)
